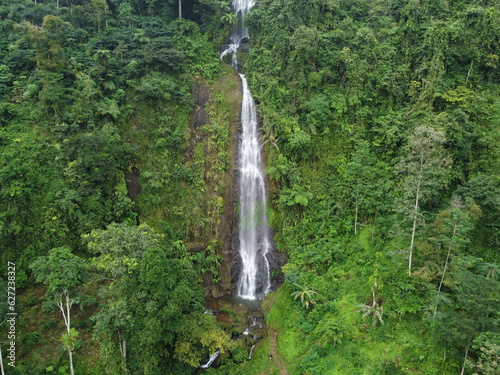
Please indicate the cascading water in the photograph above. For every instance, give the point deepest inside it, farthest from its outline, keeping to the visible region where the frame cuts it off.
(211, 360)
(253, 229)
(254, 236)
(241, 8)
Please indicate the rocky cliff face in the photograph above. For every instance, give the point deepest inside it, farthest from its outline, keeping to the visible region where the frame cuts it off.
(211, 147)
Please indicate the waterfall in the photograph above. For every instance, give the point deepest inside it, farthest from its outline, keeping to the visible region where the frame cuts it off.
(212, 358)
(253, 233)
(254, 237)
(251, 351)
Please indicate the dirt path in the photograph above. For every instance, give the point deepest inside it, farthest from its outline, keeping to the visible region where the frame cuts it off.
(273, 347)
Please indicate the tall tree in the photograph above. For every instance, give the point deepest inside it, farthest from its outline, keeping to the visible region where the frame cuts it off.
(62, 272)
(425, 169)
(453, 236)
(472, 306)
(119, 249)
(101, 10)
(47, 40)
(363, 179)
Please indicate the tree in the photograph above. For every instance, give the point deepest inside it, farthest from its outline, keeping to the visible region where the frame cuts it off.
(47, 40)
(62, 272)
(119, 249)
(454, 235)
(305, 294)
(484, 190)
(229, 18)
(150, 302)
(5, 79)
(359, 173)
(425, 168)
(488, 362)
(101, 9)
(330, 330)
(374, 306)
(471, 306)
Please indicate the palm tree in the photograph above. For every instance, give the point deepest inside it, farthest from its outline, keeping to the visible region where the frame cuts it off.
(374, 308)
(306, 295)
(229, 18)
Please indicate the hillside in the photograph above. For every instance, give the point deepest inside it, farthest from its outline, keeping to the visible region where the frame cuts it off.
(380, 127)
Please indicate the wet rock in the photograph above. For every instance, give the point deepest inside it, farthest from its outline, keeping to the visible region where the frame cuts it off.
(132, 182)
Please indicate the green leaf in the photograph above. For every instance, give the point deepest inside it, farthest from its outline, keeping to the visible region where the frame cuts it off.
(301, 199)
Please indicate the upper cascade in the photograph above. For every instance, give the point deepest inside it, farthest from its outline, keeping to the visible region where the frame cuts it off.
(240, 9)
(242, 5)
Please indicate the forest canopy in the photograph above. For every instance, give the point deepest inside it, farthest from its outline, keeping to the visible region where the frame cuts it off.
(380, 125)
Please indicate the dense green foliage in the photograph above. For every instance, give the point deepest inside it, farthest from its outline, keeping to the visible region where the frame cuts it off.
(381, 128)
(95, 102)
(151, 303)
(383, 121)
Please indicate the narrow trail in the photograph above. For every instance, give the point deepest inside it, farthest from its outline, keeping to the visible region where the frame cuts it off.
(273, 347)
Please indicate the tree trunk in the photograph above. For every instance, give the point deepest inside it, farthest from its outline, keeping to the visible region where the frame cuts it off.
(67, 322)
(180, 9)
(124, 355)
(374, 224)
(68, 311)
(468, 73)
(71, 369)
(68, 328)
(374, 306)
(412, 243)
(465, 359)
(122, 344)
(444, 271)
(417, 196)
(70, 6)
(1, 360)
(356, 215)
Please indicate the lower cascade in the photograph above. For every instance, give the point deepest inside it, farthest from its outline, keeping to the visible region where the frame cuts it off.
(254, 235)
(212, 358)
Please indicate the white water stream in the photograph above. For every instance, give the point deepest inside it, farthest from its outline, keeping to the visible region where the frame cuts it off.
(212, 358)
(254, 236)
